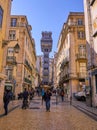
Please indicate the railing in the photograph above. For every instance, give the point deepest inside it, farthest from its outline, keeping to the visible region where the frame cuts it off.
(82, 75)
(64, 62)
(80, 56)
(27, 80)
(28, 65)
(11, 59)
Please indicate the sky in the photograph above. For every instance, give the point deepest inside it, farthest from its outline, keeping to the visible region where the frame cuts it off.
(46, 15)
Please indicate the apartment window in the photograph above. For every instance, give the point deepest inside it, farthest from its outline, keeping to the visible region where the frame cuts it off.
(46, 50)
(81, 34)
(13, 22)
(1, 16)
(80, 22)
(12, 34)
(10, 51)
(82, 50)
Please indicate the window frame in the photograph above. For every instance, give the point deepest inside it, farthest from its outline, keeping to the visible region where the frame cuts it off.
(13, 22)
(81, 34)
(12, 34)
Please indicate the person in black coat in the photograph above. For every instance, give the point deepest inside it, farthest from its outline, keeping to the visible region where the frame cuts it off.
(25, 99)
(6, 99)
(47, 98)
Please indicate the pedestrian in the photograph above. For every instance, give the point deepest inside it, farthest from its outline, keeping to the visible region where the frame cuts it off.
(25, 99)
(42, 94)
(6, 100)
(47, 98)
(71, 100)
(62, 95)
(31, 94)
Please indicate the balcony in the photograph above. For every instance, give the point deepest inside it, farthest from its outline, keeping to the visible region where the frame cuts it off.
(27, 80)
(81, 75)
(28, 65)
(80, 56)
(64, 62)
(11, 60)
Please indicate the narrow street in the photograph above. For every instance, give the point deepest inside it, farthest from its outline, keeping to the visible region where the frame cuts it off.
(61, 117)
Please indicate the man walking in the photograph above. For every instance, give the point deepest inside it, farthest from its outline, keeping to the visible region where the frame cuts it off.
(25, 99)
(47, 98)
(6, 99)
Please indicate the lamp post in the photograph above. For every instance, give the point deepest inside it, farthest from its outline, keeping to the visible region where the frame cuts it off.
(16, 50)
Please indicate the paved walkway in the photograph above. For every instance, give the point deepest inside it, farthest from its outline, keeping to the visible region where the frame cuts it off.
(12, 105)
(62, 116)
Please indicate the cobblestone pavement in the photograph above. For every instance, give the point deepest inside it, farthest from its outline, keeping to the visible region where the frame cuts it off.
(61, 117)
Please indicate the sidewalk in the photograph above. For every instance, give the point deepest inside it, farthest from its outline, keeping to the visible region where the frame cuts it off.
(84, 106)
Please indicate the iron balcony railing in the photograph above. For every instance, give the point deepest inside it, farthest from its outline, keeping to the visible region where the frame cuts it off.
(28, 65)
(27, 80)
(64, 62)
(82, 75)
(11, 59)
(80, 56)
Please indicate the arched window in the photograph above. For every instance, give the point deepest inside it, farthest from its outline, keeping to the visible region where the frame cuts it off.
(1, 16)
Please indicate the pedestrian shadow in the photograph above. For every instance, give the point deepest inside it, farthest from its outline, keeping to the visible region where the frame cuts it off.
(10, 110)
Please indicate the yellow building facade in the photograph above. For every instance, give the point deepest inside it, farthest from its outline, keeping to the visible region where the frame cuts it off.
(20, 66)
(71, 56)
(5, 7)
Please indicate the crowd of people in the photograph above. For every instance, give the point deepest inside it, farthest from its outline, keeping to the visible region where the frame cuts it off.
(27, 96)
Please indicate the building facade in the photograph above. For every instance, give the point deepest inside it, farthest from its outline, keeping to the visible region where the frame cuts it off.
(71, 55)
(55, 73)
(38, 78)
(46, 48)
(90, 9)
(51, 72)
(21, 65)
(5, 7)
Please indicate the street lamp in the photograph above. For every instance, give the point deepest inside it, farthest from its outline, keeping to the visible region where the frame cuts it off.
(16, 48)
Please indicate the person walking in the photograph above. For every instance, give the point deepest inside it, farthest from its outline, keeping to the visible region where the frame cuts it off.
(47, 98)
(42, 94)
(31, 94)
(62, 95)
(25, 99)
(6, 100)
